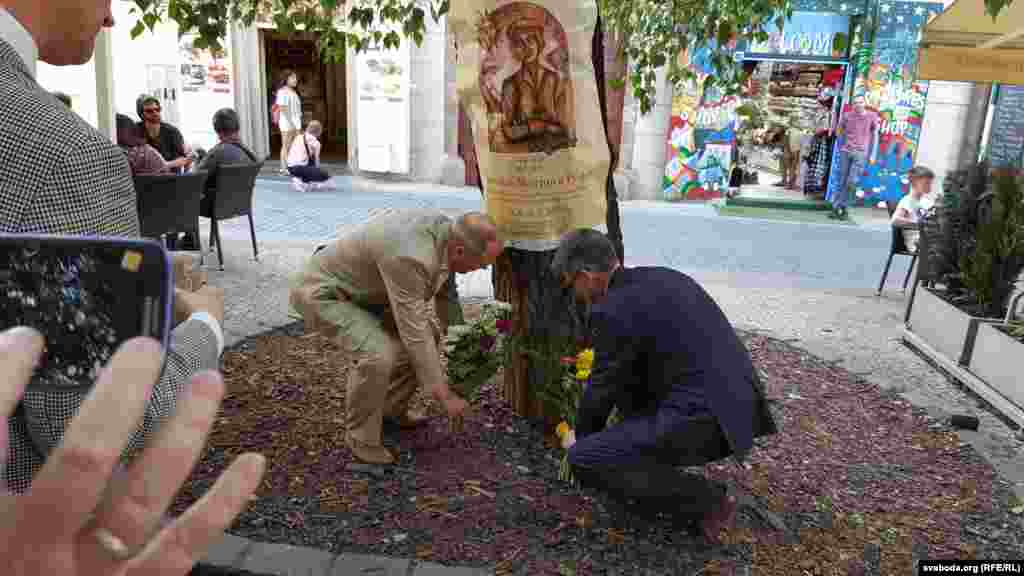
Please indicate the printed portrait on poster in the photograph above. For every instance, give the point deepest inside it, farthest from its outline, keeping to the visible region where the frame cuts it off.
(525, 81)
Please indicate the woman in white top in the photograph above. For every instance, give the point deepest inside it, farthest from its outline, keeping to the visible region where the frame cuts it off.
(289, 118)
(304, 160)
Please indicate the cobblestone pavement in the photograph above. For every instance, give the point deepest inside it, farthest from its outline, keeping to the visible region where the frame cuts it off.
(813, 284)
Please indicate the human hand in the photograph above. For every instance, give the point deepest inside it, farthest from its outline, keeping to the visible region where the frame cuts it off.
(207, 299)
(568, 439)
(78, 519)
(455, 408)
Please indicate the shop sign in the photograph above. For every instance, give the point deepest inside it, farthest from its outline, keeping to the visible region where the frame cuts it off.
(971, 65)
(806, 34)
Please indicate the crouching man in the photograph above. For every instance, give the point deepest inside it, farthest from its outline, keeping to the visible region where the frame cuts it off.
(375, 290)
(685, 385)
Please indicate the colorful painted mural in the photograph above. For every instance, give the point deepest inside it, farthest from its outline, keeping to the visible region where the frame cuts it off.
(891, 91)
(700, 139)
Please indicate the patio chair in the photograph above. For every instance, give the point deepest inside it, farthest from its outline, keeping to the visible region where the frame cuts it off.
(898, 246)
(231, 198)
(169, 204)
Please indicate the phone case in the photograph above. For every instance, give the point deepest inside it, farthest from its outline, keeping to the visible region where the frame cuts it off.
(146, 246)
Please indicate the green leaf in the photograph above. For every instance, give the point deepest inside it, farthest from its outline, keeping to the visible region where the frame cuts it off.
(138, 29)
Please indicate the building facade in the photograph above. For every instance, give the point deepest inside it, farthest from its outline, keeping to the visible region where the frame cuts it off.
(397, 112)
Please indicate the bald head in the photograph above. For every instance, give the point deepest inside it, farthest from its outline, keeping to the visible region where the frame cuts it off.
(474, 243)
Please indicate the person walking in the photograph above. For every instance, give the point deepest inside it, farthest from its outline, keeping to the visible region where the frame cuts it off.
(288, 115)
(859, 128)
(304, 160)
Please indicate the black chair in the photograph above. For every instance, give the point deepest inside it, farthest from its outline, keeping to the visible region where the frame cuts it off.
(230, 199)
(898, 246)
(169, 204)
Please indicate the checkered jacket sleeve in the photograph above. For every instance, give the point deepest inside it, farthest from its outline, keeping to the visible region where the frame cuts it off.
(60, 176)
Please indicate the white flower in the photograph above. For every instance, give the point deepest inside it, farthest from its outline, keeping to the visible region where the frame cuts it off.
(450, 349)
(498, 305)
(459, 330)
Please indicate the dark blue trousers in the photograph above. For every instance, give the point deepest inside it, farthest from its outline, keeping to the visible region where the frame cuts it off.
(638, 459)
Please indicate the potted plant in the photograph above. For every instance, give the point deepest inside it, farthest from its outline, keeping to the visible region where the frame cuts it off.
(990, 272)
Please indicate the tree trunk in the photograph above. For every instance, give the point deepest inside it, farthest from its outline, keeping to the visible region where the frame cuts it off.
(546, 318)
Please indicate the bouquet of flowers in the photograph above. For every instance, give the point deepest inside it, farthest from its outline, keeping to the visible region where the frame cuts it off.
(567, 399)
(475, 351)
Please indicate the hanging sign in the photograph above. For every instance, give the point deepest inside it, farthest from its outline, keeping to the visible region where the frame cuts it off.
(526, 80)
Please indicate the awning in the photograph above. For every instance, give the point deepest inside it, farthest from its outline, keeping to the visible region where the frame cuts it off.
(965, 44)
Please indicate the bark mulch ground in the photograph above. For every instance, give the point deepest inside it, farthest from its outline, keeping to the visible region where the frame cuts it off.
(861, 479)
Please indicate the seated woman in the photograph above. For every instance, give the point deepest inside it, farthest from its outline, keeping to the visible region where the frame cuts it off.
(304, 160)
(142, 158)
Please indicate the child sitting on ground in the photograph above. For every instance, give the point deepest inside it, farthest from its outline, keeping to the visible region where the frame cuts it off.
(304, 160)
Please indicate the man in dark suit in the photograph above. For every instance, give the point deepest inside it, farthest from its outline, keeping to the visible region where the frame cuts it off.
(669, 360)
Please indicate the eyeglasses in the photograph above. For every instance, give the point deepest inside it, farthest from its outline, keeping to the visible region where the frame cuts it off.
(151, 110)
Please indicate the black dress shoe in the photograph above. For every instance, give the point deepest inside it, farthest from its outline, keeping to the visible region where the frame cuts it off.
(188, 242)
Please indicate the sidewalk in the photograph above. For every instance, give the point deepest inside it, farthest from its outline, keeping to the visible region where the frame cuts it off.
(849, 326)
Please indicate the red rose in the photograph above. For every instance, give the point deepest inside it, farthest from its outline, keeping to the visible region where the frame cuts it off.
(504, 326)
(487, 343)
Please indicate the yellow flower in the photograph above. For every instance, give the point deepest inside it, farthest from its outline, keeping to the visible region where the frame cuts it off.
(562, 429)
(583, 375)
(585, 360)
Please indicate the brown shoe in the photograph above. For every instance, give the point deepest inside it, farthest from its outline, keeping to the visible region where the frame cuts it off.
(368, 453)
(409, 420)
(720, 517)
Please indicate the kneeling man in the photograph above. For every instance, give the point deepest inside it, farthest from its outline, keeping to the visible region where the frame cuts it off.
(375, 290)
(684, 383)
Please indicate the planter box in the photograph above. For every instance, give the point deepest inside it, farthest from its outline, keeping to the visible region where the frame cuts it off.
(943, 326)
(996, 359)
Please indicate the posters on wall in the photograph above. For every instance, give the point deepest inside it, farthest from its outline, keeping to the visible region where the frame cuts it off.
(890, 90)
(525, 77)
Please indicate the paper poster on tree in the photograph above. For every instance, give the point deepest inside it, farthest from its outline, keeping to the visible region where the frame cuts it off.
(526, 79)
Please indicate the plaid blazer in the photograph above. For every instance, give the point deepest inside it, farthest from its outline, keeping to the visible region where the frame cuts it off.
(60, 176)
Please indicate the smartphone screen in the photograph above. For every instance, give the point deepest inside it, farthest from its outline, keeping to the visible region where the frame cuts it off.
(86, 297)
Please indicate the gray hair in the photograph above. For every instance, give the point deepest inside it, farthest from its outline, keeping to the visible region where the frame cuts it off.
(583, 250)
(475, 230)
(225, 121)
(315, 128)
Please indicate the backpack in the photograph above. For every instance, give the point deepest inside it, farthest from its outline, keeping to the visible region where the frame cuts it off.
(275, 114)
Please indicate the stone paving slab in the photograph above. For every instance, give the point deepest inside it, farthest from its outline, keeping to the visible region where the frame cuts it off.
(364, 565)
(285, 560)
(431, 569)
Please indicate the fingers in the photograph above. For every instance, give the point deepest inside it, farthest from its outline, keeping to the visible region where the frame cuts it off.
(20, 349)
(136, 500)
(74, 477)
(179, 546)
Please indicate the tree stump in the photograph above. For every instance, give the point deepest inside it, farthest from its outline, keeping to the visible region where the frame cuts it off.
(547, 325)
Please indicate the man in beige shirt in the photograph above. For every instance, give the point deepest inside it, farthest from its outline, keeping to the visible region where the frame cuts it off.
(376, 291)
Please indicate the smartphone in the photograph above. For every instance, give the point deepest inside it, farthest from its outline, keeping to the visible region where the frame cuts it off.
(86, 296)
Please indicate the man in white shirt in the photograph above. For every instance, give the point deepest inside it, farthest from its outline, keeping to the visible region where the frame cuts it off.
(304, 160)
(911, 208)
(289, 115)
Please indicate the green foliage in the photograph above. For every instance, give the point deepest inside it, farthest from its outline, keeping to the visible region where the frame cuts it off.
(476, 351)
(990, 270)
(658, 31)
